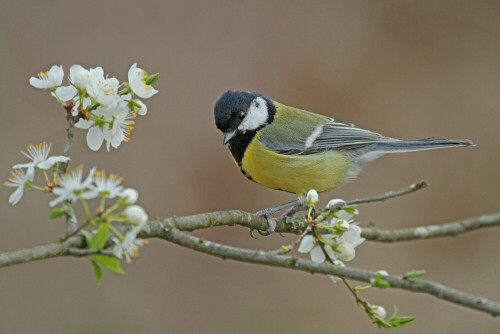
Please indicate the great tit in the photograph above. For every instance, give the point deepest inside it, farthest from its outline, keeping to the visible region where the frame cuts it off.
(294, 150)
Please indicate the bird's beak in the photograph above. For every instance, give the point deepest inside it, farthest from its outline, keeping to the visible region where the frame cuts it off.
(227, 136)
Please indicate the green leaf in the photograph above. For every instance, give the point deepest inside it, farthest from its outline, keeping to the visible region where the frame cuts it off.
(401, 321)
(380, 282)
(415, 273)
(382, 323)
(56, 213)
(99, 239)
(151, 79)
(350, 209)
(109, 262)
(97, 270)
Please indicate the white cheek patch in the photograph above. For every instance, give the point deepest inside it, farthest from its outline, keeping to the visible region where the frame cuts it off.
(257, 115)
(314, 135)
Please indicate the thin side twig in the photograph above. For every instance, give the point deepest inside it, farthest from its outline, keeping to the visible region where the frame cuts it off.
(391, 194)
(432, 231)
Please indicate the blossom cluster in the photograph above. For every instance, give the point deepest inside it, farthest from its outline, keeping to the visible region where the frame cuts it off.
(343, 236)
(72, 187)
(23, 174)
(101, 104)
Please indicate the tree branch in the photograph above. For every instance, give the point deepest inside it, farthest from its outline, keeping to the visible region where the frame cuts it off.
(169, 229)
(230, 218)
(432, 231)
(170, 233)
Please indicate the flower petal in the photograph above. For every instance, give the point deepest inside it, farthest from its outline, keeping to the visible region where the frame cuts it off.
(306, 244)
(95, 138)
(56, 75)
(317, 254)
(51, 161)
(38, 83)
(84, 124)
(65, 93)
(16, 196)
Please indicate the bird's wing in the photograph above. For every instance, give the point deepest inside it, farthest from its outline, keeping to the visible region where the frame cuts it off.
(298, 132)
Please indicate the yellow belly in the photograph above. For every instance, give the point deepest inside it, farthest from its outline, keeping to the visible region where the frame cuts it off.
(297, 173)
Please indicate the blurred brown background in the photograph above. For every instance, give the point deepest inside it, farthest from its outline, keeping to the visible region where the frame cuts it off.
(408, 69)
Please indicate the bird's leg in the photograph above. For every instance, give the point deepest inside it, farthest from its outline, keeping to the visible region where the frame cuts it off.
(294, 206)
(274, 209)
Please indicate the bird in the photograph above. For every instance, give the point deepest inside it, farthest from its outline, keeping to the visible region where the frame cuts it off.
(294, 150)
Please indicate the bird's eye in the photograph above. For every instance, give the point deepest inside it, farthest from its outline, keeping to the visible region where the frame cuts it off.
(241, 115)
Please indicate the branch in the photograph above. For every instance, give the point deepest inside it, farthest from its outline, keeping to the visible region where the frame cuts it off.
(170, 233)
(297, 224)
(230, 218)
(55, 249)
(169, 229)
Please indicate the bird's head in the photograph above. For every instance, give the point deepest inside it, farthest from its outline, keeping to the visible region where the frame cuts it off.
(239, 112)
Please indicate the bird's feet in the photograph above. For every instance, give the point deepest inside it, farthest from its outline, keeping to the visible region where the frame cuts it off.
(293, 206)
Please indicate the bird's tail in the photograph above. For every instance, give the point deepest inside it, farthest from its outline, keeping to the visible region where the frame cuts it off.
(418, 145)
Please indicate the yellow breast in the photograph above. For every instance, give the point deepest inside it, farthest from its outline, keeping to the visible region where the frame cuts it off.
(296, 173)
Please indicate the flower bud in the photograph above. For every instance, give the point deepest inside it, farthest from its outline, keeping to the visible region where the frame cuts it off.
(382, 272)
(79, 76)
(347, 252)
(141, 109)
(129, 195)
(312, 198)
(378, 311)
(136, 214)
(335, 202)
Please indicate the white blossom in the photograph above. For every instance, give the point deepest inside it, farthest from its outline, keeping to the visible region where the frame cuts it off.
(19, 180)
(107, 186)
(120, 131)
(51, 78)
(309, 245)
(378, 311)
(344, 244)
(352, 236)
(130, 244)
(138, 83)
(114, 126)
(71, 187)
(38, 154)
(130, 195)
(312, 198)
(79, 76)
(102, 90)
(135, 214)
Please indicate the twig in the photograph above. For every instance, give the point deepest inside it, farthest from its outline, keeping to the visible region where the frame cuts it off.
(432, 231)
(70, 133)
(71, 222)
(78, 252)
(391, 194)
